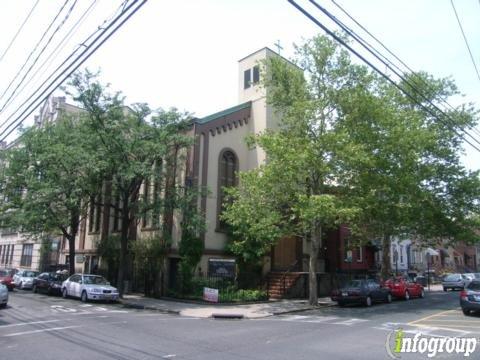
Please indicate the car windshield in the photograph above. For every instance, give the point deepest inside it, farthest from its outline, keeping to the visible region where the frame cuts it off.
(477, 275)
(94, 280)
(4, 273)
(475, 286)
(452, 277)
(30, 274)
(354, 284)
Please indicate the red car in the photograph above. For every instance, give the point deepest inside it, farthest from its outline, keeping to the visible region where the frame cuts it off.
(404, 288)
(6, 278)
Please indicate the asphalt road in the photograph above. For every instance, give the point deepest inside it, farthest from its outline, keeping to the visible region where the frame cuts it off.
(36, 326)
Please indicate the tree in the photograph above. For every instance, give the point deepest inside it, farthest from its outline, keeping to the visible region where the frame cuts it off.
(134, 146)
(46, 181)
(295, 192)
(411, 182)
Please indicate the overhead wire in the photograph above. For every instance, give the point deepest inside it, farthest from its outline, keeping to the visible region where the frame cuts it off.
(439, 98)
(66, 60)
(401, 75)
(465, 39)
(40, 54)
(35, 48)
(19, 30)
(69, 71)
(56, 51)
(361, 57)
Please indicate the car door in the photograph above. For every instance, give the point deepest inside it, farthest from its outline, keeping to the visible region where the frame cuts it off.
(413, 288)
(71, 285)
(375, 291)
(41, 281)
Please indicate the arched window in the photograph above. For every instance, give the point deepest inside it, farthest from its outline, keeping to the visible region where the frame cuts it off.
(227, 177)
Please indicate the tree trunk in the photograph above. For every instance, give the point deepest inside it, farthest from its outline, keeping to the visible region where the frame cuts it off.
(122, 263)
(386, 268)
(71, 253)
(315, 243)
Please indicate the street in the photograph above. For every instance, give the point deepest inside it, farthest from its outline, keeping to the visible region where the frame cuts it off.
(37, 326)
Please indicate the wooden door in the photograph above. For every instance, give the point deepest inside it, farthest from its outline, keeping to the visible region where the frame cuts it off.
(285, 254)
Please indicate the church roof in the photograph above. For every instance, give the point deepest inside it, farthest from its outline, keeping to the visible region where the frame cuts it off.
(224, 113)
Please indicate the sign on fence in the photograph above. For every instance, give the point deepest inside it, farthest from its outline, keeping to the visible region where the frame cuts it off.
(221, 267)
(210, 294)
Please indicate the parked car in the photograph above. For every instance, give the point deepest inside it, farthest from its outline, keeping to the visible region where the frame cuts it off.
(405, 288)
(468, 277)
(3, 295)
(363, 292)
(89, 287)
(453, 281)
(49, 283)
(23, 279)
(6, 278)
(470, 297)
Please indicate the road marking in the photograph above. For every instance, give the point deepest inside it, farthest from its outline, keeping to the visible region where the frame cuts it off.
(62, 308)
(321, 319)
(350, 322)
(32, 323)
(41, 330)
(431, 316)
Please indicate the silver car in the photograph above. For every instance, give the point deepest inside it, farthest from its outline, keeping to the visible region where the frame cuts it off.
(3, 295)
(89, 287)
(24, 279)
(454, 281)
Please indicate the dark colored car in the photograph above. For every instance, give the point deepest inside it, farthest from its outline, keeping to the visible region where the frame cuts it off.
(6, 278)
(362, 291)
(49, 283)
(470, 297)
(405, 288)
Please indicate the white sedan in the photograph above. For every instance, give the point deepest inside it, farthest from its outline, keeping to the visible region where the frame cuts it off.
(89, 287)
(3, 295)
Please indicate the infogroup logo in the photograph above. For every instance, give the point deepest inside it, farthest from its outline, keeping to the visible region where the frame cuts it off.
(397, 343)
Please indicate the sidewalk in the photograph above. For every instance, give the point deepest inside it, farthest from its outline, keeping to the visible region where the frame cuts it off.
(249, 311)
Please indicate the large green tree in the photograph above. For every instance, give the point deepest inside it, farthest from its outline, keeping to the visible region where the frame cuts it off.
(46, 181)
(134, 146)
(351, 148)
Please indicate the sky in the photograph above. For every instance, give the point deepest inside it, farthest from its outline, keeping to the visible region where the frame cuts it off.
(185, 53)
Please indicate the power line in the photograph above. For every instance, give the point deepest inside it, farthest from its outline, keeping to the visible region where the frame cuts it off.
(465, 39)
(99, 28)
(19, 30)
(54, 52)
(342, 42)
(401, 76)
(441, 99)
(35, 48)
(40, 54)
(69, 70)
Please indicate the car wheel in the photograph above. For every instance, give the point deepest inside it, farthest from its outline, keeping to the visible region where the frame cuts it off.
(368, 301)
(466, 312)
(445, 289)
(64, 293)
(3, 306)
(422, 294)
(84, 296)
(34, 289)
(341, 304)
(407, 295)
(20, 286)
(389, 298)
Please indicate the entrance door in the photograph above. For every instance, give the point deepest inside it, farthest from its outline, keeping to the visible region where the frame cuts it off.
(286, 253)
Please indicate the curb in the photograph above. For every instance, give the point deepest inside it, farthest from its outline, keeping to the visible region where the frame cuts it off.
(227, 316)
(153, 308)
(301, 310)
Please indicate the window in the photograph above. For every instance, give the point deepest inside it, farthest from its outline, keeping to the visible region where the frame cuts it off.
(2, 253)
(95, 213)
(359, 254)
(256, 74)
(246, 79)
(227, 177)
(11, 254)
(401, 253)
(27, 251)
